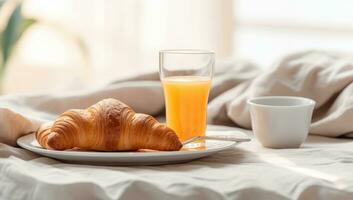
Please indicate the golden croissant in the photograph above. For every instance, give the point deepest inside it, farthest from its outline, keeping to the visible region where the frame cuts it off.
(108, 125)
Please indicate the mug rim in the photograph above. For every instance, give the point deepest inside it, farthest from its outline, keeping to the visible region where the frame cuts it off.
(306, 101)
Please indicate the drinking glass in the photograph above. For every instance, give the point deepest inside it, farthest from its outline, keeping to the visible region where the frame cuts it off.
(186, 78)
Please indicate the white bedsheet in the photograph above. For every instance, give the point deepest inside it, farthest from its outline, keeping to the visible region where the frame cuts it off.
(322, 168)
(325, 77)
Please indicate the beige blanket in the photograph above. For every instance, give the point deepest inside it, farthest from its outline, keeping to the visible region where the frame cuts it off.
(323, 76)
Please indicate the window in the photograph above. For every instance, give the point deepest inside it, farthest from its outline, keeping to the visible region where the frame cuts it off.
(88, 43)
(266, 30)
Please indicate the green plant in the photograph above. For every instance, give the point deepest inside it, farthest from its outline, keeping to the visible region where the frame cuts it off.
(12, 26)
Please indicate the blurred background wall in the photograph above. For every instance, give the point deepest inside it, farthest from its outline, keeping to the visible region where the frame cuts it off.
(88, 43)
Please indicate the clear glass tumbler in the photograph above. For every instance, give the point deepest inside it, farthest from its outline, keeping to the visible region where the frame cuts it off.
(186, 78)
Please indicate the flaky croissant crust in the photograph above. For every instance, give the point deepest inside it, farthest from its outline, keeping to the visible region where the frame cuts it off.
(108, 125)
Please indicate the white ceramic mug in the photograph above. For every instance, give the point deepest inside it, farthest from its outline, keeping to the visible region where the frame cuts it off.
(281, 121)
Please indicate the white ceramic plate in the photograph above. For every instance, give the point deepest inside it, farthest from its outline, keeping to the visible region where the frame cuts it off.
(126, 158)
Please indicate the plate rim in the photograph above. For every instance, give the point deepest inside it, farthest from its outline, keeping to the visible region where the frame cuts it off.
(22, 142)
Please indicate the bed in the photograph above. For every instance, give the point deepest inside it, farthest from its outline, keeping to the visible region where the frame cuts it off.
(320, 169)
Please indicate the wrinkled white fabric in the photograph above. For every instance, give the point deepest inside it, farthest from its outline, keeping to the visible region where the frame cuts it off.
(321, 169)
(323, 76)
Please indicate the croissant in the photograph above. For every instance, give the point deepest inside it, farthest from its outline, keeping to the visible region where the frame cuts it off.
(108, 125)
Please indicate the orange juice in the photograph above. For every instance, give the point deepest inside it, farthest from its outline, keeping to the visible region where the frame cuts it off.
(186, 103)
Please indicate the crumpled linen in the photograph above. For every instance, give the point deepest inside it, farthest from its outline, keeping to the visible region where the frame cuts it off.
(320, 169)
(325, 77)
